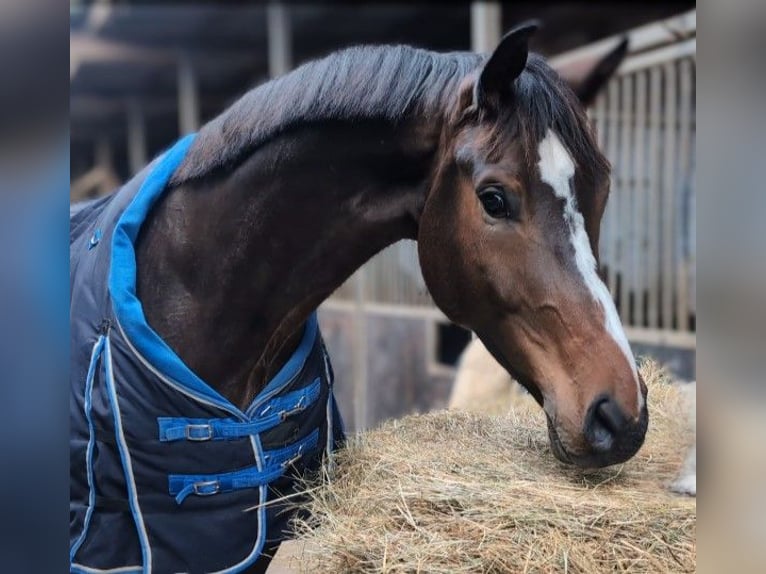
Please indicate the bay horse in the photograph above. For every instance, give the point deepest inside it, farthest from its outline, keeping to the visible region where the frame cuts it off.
(200, 385)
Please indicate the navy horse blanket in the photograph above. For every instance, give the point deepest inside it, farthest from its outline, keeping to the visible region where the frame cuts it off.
(166, 474)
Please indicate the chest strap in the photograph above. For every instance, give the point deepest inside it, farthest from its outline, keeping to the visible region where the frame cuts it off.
(271, 414)
(275, 463)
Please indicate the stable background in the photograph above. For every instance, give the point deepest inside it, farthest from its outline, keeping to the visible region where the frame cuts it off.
(143, 75)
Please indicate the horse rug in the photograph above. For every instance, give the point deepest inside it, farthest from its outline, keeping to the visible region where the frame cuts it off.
(166, 474)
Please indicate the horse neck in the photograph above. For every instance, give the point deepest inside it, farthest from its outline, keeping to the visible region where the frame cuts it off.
(229, 269)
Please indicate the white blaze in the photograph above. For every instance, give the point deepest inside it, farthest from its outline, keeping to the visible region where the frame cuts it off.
(557, 169)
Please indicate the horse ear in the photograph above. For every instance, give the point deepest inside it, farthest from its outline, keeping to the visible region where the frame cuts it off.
(495, 82)
(589, 83)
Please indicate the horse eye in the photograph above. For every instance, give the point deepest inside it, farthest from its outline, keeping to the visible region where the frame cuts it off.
(496, 204)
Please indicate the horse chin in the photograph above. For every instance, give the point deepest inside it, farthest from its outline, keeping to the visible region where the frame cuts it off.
(558, 449)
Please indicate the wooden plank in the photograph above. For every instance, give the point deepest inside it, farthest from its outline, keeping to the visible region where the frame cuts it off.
(486, 25)
(658, 57)
(280, 38)
(360, 351)
(641, 39)
(668, 195)
(661, 337)
(653, 227)
(137, 156)
(288, 558)
(598, 117)
(614, 195)
(682, 269)
(636, 334)
(639, 205)
(188, 95)
(625, 227)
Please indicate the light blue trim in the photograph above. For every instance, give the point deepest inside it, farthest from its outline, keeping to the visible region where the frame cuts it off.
(182, 485)
(127, 466)
(98, 347)
(273, 414)
(290, 369)
(128, 309)
(298, 399)
(329, 412)
(81, 569)
(263, 499)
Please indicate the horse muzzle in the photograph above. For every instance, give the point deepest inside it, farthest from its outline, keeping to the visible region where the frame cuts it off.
(608, 436)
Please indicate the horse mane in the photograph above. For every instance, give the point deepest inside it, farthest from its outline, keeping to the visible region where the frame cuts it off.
(364, 82)
(389, 83)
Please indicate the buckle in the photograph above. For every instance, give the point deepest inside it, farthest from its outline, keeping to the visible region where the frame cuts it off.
(295, 410)
(206, 488)
(198, 437)
(294, 459)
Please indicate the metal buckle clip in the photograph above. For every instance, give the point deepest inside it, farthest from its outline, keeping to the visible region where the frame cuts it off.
(198, 437)
(293, 460)
(296, 409)
(203, 488)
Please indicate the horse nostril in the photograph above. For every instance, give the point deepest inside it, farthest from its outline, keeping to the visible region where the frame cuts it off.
(611, 414)
(604, 423)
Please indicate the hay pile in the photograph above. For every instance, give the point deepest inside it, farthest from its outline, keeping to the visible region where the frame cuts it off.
(459, 492)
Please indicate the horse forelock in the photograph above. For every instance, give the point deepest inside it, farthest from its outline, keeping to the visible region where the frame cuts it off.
(542, 101)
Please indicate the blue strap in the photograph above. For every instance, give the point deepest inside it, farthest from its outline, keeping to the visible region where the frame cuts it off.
(271, 414)
(277, 461)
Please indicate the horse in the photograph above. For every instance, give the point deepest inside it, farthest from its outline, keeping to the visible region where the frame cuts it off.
(201, 389)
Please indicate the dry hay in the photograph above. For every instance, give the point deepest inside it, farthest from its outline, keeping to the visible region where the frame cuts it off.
(460, 492)
(482, 386)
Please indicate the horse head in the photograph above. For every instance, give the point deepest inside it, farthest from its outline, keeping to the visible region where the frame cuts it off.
(508, 245)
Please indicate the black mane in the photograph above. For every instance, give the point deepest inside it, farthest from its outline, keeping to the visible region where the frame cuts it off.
(365, 82)
(385, 82)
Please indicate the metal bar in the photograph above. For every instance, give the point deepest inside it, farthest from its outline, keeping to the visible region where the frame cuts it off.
(188, 102)
(279, 34)
(669, 194)
(136, 136)
(486, 24)
(653, 265)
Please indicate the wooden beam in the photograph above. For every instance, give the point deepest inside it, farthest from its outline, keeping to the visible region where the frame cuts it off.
(86, 48)
(641, 39)
(136, 136)
(279, 33)
(486, 26)
(188, 101)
